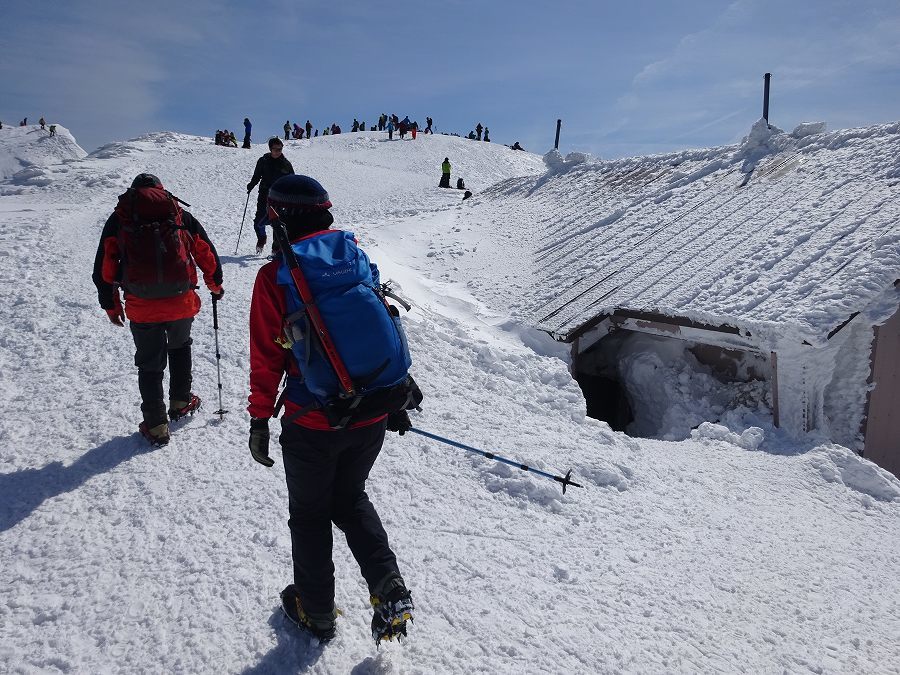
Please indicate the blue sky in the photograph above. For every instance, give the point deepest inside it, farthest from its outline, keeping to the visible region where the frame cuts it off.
(626, 77)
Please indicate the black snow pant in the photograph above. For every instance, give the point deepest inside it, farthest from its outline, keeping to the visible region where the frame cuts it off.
(259, 220)
(155, 343)
(246, 141)
(445, 180)
(326, 474)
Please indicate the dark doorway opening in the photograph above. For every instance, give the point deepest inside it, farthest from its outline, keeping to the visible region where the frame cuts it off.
(606, 400)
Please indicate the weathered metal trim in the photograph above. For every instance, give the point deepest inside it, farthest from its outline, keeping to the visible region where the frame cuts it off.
(723, 339)
(648, 316)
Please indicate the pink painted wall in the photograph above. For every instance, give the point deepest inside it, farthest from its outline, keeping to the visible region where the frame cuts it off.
(883, 420)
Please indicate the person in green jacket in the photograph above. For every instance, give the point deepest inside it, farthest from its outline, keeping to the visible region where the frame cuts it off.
(445, 173)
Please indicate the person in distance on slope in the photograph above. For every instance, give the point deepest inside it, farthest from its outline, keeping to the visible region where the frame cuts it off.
(309, 129)
(269, 168)
(516, 146)
(445, 173)
(151, 248)
(247, 128)
(287, 129)
(487, 138)
(478, 129)
(326, 468)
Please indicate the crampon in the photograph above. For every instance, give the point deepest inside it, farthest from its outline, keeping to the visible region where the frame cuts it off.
(391, 615)
(179, 409)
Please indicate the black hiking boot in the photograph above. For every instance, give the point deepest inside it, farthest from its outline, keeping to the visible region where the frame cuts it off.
(393, 607)
(321, 626)
(179, 409)
(157, 436)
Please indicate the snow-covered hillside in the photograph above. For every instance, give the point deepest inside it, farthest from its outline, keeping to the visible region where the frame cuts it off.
(675, 557)
(23, 148)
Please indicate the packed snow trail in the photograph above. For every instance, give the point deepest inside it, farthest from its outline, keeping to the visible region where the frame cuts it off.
(691, 556)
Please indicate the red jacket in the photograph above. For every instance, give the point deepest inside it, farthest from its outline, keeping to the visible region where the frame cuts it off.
(269, 361)
(107, 273)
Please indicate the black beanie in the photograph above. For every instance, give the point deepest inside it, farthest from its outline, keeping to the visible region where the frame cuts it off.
(146, 180)
(302, 203)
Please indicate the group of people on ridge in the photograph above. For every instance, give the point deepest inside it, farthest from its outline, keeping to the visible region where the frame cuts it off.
(226, 138)
(389, 123)
(42, 122)
(146, 269)
(475, 135)
(298, 130)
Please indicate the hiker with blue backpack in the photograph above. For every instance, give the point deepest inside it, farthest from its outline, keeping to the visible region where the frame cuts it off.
(319, 314)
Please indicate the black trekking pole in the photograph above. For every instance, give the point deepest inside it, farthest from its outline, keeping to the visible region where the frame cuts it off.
(565, 480)
(242, 224)
(221, 411)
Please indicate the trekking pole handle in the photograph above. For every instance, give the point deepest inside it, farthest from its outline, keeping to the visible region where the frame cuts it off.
(215, 302)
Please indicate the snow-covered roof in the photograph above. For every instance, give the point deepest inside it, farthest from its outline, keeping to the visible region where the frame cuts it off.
(784, 235)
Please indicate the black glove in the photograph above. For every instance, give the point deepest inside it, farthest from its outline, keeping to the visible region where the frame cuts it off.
(399, 422)
(217, 295)
(260, 244)
(259, 440)
(250, 187)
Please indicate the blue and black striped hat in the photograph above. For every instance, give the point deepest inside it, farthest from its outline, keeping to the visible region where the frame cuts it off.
(296, 194)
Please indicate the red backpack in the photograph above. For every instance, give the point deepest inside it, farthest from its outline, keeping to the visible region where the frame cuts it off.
(154, 247)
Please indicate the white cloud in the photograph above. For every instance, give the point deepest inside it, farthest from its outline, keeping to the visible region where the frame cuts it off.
(712, 78)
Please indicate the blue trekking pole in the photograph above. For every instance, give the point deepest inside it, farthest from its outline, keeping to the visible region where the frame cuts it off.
(565, 480)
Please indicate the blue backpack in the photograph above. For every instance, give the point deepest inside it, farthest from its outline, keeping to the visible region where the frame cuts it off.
(366, 334)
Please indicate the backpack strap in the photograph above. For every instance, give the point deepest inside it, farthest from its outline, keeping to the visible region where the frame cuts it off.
(297, 414)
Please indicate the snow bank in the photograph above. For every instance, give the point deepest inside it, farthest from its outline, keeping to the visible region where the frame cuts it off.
(839, 465)
(759, 143)
(25, 151)
(805, 129)
(748, 439)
